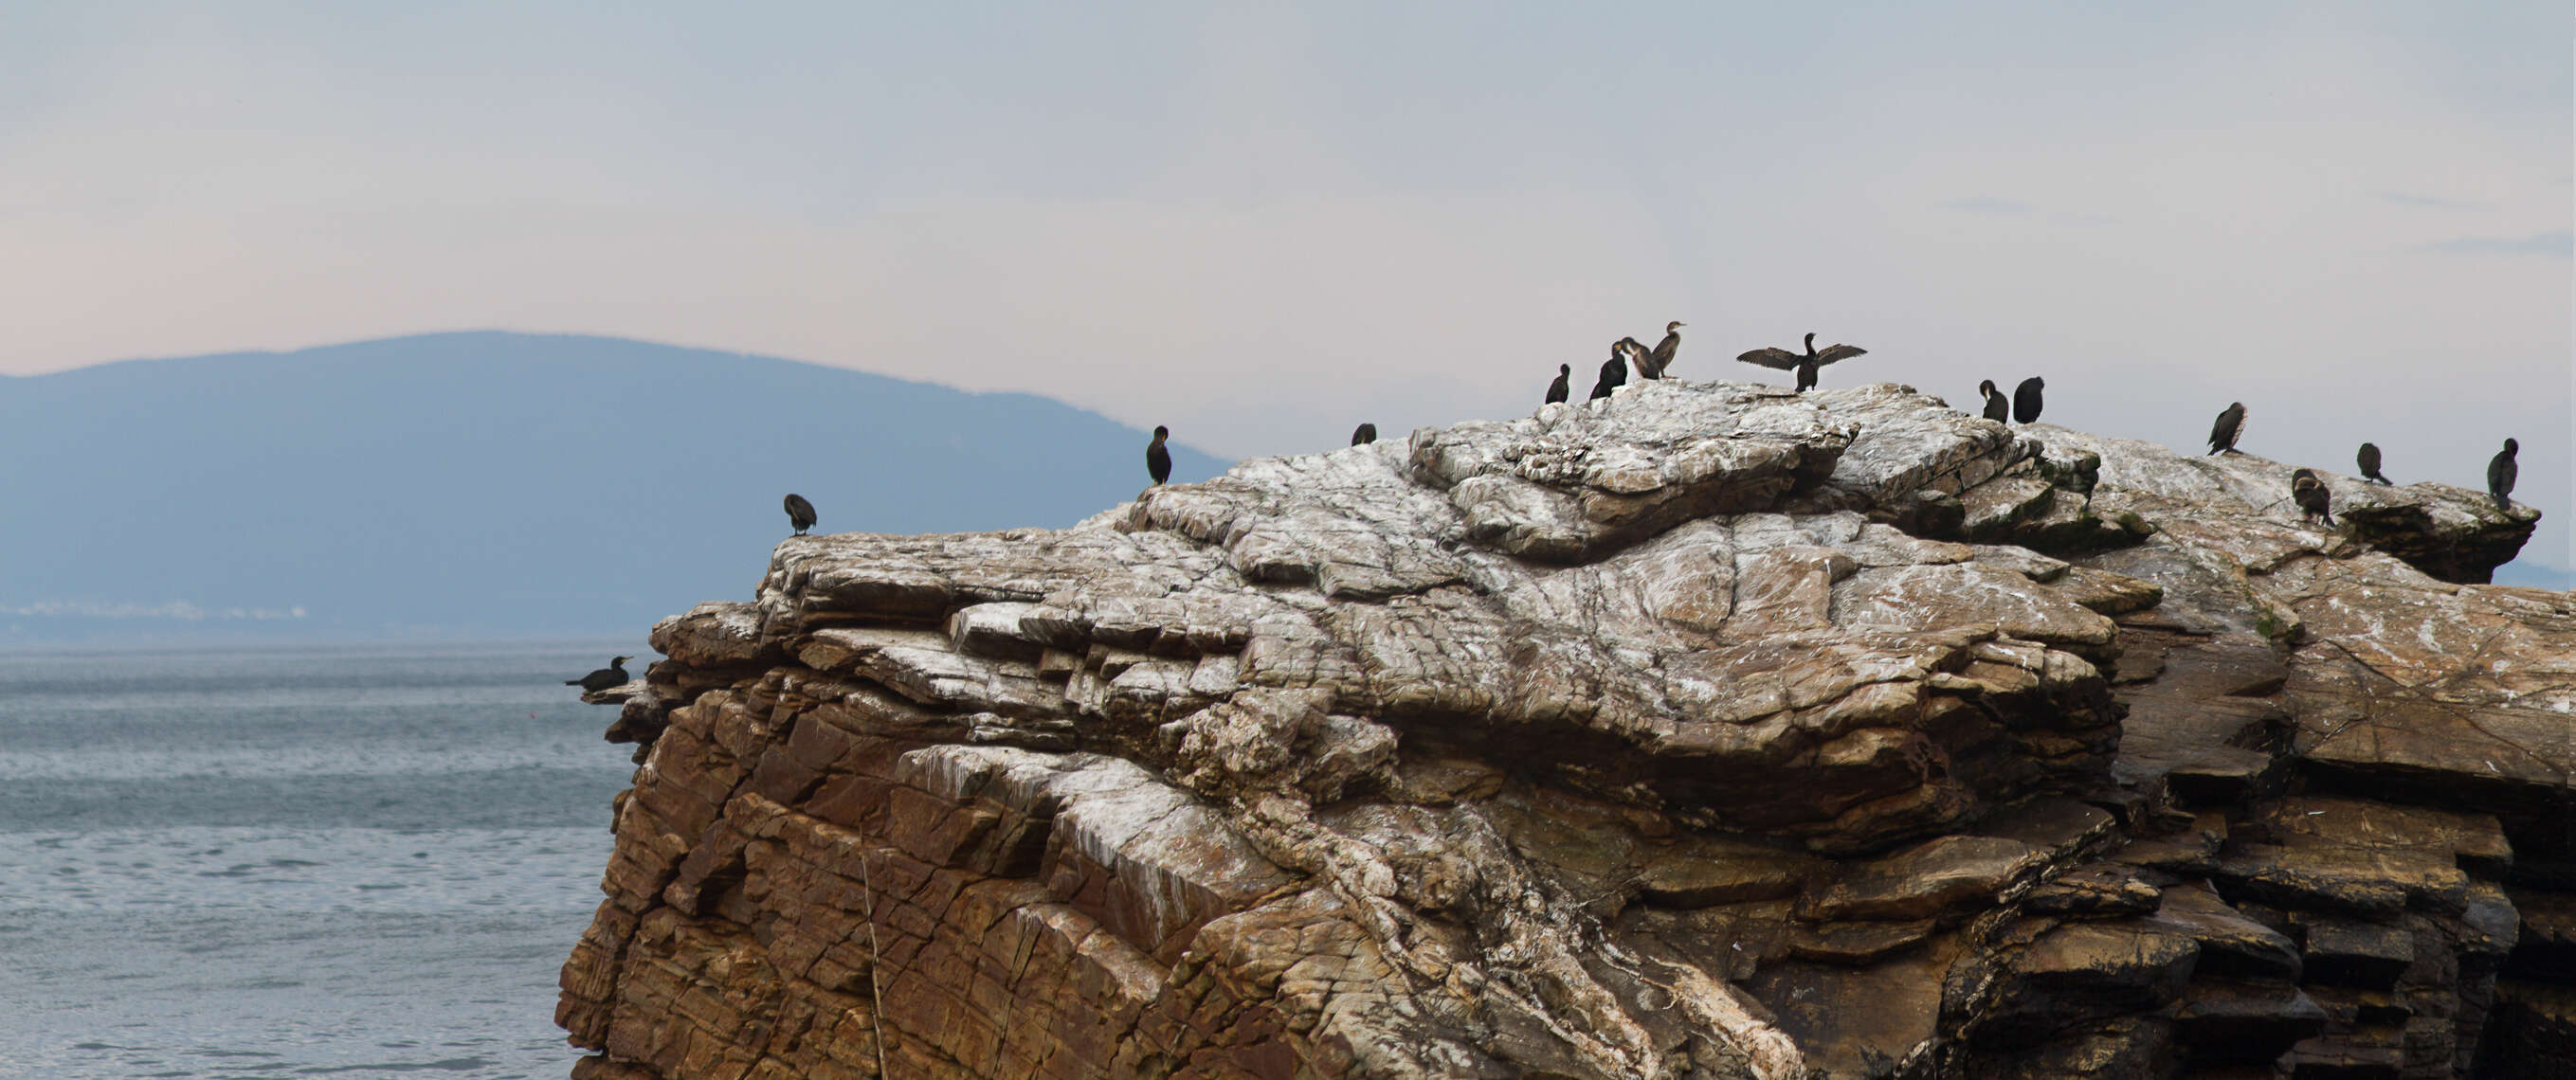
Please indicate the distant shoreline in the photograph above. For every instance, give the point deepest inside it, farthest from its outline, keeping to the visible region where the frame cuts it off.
(13, 644)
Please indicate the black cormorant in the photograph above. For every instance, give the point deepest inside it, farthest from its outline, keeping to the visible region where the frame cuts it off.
(2369, 461)
(1639, 360)
(2311, 495)
(1158, 461)
(799, 513)
(2231, 423)
(1997, 409)
(614, 675)
(1363, 434)
(2501, 472)
(1665, 349)
(1557, 391)
(2026, 399)
(1806, 365)
(1614, 374)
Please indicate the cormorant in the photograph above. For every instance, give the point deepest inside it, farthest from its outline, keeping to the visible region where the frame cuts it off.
(1639, 360)
(1805, 366)
(1997, 409)
(1158, 461)
(799, 513)
(614, 675)
(2369, 461)
(1665, 349)
(2311, 495)
(2231, 423)
(1363, 434)
(1557, 391)
(2501, 472)
(1614, 374)
(2026, 399)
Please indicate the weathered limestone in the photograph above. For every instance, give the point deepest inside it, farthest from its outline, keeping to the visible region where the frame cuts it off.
(1706, 731)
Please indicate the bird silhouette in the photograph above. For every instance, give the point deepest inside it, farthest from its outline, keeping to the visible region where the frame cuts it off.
(1158, 461)
(1614, 373)
(2501, 472)
(2310, 493)
(1805, 364)
(2026, 399)
(2231, 423)
(613, 675)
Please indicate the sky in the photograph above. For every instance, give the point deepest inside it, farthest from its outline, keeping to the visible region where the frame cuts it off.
(1260, 225)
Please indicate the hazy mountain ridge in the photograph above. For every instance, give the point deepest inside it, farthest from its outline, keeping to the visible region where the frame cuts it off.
(2530, 574)
(491, 482)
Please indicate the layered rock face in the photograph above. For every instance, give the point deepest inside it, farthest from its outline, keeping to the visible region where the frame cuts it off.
(1708, 731)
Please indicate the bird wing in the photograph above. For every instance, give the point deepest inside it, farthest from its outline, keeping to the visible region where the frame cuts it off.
(1838, 352)
(1781, 359)
(2229, 418)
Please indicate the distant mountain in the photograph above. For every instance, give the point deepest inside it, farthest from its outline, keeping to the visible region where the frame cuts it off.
(491, 483)
(2534, 575)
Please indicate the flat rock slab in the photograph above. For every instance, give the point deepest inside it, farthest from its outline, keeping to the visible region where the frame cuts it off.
(1926, 880)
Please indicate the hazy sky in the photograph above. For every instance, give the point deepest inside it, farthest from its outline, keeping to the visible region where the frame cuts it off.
(1260, 226)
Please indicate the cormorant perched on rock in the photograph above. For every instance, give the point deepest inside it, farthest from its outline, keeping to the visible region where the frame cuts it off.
(1805, 366)
(1666, 349)
(2368, 459)
(1557, 391)
(1364, 434)
(612, 676)
(799, 513)
(2026, 399)
(2311, 495)
(2501, 472)
(1614, 374)
(1158, 461)
(1639, 360)
(2231, 423)
(1997, 409)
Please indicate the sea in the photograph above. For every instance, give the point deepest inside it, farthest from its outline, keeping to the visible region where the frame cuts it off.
(285, 862)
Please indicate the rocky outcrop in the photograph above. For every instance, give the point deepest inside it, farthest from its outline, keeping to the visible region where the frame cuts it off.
(1706, 731)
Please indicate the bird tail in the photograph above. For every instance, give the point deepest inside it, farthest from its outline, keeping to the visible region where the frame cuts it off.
(572, 682)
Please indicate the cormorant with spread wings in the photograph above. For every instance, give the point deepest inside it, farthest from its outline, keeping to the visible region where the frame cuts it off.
(1805, 366)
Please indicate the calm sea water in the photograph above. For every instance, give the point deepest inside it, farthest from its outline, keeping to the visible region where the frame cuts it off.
(297, 862)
